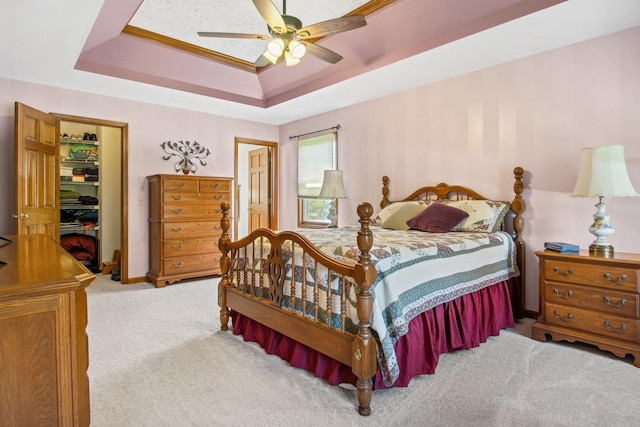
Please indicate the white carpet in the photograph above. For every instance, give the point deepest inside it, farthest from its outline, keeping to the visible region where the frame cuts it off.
(158, 358)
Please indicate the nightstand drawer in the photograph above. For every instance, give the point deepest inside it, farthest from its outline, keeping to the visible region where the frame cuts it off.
(614, 302)
(592, 274)
(622, 328)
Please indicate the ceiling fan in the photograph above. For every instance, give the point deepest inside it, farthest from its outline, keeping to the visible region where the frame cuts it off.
(289, 39)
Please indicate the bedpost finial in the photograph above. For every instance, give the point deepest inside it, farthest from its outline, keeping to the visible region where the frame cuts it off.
(518, 172)
(385, 192)
(365, 210)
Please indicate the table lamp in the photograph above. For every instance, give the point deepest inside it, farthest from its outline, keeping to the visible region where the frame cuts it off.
(332, 188)
(603, 173)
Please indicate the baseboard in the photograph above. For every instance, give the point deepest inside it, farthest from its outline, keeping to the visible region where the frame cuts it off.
(131, 280)
(531, 314)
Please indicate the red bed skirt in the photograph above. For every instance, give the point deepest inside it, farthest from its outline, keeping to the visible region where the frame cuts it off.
(463, 323)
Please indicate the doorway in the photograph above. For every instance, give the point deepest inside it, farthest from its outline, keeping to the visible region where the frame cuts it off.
(113, 189)
(256, 186)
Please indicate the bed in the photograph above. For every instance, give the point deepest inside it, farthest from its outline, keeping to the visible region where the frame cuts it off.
(375, 305)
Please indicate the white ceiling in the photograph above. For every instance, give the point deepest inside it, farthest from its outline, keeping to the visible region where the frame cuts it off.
(41, 41)
(182, 19)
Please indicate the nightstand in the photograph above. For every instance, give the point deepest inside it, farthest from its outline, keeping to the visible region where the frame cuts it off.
(590, 299)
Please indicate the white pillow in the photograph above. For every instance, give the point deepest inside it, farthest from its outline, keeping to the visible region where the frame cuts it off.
(485, 216)
(390, 209)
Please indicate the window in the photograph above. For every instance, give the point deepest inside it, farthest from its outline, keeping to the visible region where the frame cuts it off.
(315, 155)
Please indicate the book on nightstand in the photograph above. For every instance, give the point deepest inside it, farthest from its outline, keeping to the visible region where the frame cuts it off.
(567, 248)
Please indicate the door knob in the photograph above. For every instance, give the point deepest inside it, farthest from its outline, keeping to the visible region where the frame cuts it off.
(21, 216)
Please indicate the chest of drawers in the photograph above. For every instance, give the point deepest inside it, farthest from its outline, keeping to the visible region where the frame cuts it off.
(590, 299)
(184, 226)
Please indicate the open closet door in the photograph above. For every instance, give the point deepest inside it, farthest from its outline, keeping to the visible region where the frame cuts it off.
(36, 181)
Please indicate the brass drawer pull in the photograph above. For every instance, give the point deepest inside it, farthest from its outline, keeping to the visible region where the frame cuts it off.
(620, 304)
(180, 184)
(177, 247)
(218, 197)
(176, 196)
(622, 278)
(215, 184)
(623, 327)
(176, 211)
(569, 271)
(177, 264)
(565, 296)
(177, 229)
(567, 317)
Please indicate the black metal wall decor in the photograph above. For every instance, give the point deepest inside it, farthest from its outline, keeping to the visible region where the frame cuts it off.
(188, 152)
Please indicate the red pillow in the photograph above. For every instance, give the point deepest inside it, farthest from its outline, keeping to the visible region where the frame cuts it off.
(437, 218)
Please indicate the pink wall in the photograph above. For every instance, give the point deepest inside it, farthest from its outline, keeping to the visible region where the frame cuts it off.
(536, 112)
(149, 126)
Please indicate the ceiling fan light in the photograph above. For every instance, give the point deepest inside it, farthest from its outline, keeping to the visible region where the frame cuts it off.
(275, 47)
(290, 59)
(270, 57)
(297, 49)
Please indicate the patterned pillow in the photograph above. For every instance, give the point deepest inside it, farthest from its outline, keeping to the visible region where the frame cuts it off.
(388, 210)
(485, 216)
(437, 218)
(398, 219)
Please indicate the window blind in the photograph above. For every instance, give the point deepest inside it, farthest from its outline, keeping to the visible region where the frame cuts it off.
(315, 155)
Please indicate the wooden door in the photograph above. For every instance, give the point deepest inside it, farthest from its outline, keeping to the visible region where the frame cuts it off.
(259, 189)
(36, 182)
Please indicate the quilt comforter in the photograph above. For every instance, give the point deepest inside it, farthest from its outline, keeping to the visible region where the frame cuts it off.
(416, 272)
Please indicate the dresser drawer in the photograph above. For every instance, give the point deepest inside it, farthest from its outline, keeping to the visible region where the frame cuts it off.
(186, 230)
(215, 185)
(173, 184)
(190, 263)
(590, 298)
(183, 212)
(591, 274)
(195, 197)
(190, 246)
(591, 321)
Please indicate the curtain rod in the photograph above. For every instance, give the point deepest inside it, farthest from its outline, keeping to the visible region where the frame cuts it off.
(336, 127)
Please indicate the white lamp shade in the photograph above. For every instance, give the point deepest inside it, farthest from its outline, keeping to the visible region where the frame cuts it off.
(603, 173)
(332, 185)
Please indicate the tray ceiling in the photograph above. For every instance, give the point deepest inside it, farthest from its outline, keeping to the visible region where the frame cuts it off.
(82, 45)
(155, 41)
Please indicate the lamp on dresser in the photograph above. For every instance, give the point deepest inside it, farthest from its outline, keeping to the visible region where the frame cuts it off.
(332, 188)
(603, 173)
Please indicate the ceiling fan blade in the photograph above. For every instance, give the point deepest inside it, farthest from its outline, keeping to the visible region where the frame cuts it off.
(233, 35)
(271, 15)
(332, 26)
(323, 53)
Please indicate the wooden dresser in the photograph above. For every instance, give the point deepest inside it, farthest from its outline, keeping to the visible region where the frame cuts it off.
(184, 226)
(590, 299)
(43, 341)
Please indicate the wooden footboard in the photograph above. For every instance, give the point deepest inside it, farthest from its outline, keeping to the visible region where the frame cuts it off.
(257, 282)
